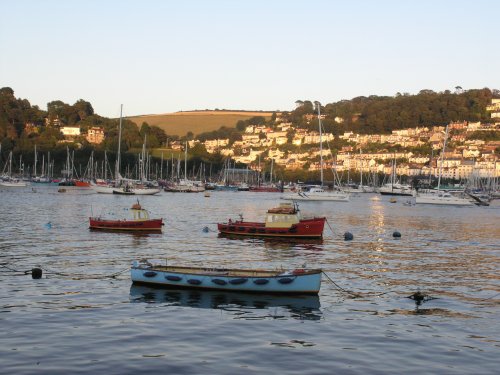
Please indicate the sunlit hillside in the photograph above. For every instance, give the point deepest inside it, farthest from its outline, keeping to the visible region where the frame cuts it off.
(179, 123)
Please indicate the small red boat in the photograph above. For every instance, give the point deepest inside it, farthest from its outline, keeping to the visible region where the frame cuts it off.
(283, 221)
(140, 222)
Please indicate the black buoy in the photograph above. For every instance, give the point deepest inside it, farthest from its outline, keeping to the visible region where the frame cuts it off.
(36, 273)
(419, 297)
(396, 234)
(206, 230)
(348, 236)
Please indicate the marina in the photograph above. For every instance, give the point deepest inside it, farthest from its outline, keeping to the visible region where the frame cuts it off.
(85, 312)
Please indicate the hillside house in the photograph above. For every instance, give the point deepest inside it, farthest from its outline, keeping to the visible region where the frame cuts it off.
(95, 135)
(70, 131)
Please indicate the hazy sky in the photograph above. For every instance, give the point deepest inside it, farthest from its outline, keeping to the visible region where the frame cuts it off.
(166, 56)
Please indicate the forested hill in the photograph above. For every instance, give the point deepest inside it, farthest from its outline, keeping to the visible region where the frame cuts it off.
(382, 114)
(365, 115)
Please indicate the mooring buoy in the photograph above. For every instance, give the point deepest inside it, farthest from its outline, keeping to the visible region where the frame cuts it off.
(348, 236)
(206, 230)
(396, 234)
(36, 273)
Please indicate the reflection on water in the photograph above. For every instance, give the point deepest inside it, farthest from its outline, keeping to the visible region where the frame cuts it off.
(242, 305)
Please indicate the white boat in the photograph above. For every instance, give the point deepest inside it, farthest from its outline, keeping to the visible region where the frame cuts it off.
(396, 189)
(7, 180)
(318, 193)
(185, 186)
(13, 183)
(440, 197)
(124, 190)
(124, 186)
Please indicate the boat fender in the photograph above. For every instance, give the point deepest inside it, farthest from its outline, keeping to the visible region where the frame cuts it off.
(239, 281)
(261, 281)
(396, 234)
(173, 278)
(285, 280)
(150, 274)
(219, 281)
(348, 236)
(194, 281)
(36, 273)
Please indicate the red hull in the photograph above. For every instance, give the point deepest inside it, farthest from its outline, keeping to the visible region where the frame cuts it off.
(308, 228)
(82, 183)
(126, 225)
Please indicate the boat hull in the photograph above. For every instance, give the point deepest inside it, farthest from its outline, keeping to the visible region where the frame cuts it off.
(13, 184)
(153, 225)
(306, 228)
(249, 281)
(397, 193)
(443, 201)
(132, 191)
(325, 197)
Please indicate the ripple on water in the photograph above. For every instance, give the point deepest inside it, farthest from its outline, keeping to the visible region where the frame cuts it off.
(79, 319)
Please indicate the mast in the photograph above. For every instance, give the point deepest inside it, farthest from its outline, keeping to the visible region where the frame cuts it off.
(318, 105)
(34, 172)
(185, 161)
(360, 170)
(442, 157)
(271, 177)
(161, 167)
(117, 164)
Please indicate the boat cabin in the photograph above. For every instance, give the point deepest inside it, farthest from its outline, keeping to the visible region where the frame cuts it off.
(283, 216)
(138, 213)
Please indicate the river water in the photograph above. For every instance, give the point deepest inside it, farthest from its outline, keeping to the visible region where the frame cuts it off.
(80, 319)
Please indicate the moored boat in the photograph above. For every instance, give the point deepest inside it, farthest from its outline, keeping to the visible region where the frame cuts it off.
(283, 221)
(13, 183)
(297, 281)
(140, 222)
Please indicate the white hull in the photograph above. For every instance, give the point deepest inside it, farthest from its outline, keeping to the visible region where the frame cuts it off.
(103, 189)
(134, 191)
(146, 191)
(443, 200)
(317, 197)
(13, 184)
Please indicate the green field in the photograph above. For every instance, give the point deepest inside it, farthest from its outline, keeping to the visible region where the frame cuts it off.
(180, 123)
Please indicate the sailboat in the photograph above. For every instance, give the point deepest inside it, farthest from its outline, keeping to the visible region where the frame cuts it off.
(121, 185)
(318, 193)
(7, 180)
(394, 187)
(185, 185)
(438, 196)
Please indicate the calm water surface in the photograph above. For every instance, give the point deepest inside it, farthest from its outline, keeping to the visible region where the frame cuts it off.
(78, 319)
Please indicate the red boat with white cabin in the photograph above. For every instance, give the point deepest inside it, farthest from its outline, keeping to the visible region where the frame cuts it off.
(283, 221)
(140, 222)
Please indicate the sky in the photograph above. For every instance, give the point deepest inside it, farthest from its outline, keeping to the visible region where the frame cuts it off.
(162, 56)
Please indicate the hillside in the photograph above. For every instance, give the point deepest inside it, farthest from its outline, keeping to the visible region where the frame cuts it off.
(179, 123)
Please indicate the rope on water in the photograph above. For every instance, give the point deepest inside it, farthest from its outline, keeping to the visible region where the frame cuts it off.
(84, 276)
(52, 272)
(354, 294)
(4, 265)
